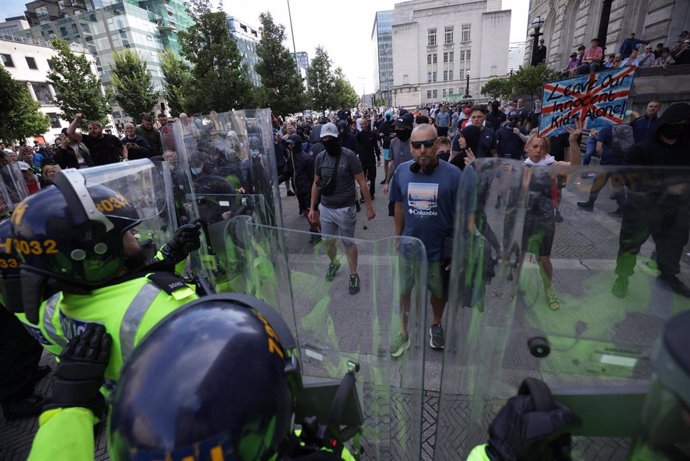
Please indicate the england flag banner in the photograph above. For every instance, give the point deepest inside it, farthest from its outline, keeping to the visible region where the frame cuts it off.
(596, 100)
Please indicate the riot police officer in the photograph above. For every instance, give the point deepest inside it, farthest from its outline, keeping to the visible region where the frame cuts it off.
(216, 379)
(80, 238)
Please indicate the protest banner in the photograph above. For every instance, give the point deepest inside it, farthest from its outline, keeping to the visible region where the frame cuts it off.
(596, 100)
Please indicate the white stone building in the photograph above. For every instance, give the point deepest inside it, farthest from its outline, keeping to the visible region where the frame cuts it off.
(26, 59)
(570, 23)
(437, 43)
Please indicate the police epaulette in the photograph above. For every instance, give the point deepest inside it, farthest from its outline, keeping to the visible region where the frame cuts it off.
(167, 281)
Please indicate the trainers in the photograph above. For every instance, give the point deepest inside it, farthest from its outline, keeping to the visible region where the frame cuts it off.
(589, 206)
(400, 344)
(675, 285)
(333, 268)
(436, 337)
(315, 237)
(354, 284)
(552, 300)
(620, 287)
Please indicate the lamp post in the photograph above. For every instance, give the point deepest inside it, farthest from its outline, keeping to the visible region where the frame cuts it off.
(294, 48)
(537, 23)
(467, 88)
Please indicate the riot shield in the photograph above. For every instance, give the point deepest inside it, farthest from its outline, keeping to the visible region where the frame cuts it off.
(560, 283)
(336, 329)
(229, 153)
(138, 181)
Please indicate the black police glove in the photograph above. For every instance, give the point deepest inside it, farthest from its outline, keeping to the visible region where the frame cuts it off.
(185, 240)
(520, 431)
(80, 373)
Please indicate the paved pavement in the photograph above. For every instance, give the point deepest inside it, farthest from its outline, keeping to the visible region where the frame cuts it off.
(583, 257)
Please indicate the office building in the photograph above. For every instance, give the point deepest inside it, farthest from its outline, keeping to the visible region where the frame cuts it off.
(437, 44)
(246, 37)
(382, 38)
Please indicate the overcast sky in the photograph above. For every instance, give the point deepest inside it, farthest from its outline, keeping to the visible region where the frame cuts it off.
(343, 31)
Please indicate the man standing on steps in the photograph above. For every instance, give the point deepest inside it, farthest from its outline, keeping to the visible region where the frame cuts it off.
(335, 171)
(424, 191)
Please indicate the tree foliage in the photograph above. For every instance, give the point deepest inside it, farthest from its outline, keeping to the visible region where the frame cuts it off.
(19, 115)
(176, 80)
(219, 79)
(321, 80)
(343, 95)
(282, 88)
(132, 84)
(528, 80)
(76, 88)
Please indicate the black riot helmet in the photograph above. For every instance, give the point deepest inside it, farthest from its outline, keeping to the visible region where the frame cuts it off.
(10, 286)
(216, 379)
(70, 233)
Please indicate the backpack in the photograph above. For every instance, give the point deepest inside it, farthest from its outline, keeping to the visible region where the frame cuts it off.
(621, 140)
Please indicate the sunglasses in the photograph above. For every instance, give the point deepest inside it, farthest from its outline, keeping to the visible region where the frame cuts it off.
(426, 143)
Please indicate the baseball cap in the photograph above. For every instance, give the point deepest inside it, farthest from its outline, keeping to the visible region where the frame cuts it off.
(405, 121)
(329, 129)
(23, 166)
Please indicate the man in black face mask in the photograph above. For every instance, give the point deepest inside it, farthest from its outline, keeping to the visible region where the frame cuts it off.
(335, 171)
(658, 206)
(400, 148)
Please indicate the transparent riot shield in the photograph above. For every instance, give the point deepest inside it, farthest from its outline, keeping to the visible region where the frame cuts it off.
(229, 153)
(14, 183)
(138, 181)
(335, 329)
(571, 285)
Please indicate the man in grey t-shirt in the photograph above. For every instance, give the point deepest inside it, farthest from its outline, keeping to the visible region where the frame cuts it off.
(335, 171)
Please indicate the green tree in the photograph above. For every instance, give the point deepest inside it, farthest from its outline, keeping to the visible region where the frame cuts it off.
(219, 79)
(176, 80)
(497, 88)
(76, 88)
(281, 85)
(321, 81)
(529, 80)
(132, 84)
(343, 95)
(19, 115)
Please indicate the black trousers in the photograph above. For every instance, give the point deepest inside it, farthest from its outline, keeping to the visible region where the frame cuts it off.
(19, 357)
(370, 175)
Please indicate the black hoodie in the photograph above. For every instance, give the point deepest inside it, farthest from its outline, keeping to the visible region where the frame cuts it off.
(655, 152)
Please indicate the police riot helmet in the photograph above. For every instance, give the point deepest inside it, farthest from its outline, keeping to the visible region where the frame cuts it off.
(10, 286)
(71, 233)
(216, 379)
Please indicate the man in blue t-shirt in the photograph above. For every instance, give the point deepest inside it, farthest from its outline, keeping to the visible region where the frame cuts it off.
(424, 192)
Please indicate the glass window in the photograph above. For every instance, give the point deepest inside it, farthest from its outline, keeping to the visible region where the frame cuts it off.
(445, 75)
(450, 74)
(450, 91)
(445, 56)
(435, 58)
(31, 62)
(444, 92)
(466, 32)
(428, 76)
(428, 58)
(54, 120)
(428, 94)
(435, 94)
(448, 35)
(42, 92)
(451, 56)
(7, 60)
(431, 37)
(433, 76)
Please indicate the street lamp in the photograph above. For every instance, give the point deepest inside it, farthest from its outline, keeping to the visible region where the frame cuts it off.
(537, 23)
(467, 88)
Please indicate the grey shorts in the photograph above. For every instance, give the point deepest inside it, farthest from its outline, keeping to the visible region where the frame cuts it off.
(338, 221)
